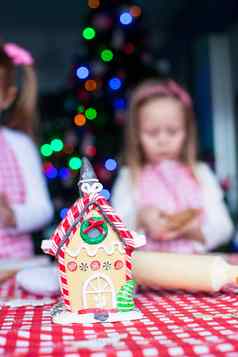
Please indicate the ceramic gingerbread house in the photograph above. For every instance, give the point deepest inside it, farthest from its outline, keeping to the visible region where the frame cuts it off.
(93, 249)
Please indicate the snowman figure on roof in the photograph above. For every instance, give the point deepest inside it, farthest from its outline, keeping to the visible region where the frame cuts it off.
(93, 249)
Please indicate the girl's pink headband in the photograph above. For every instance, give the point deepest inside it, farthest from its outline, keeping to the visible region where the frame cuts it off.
(171, 88)
(18, 55)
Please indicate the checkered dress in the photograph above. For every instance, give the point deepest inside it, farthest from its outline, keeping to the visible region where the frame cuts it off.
(171, 187)
(12, 185)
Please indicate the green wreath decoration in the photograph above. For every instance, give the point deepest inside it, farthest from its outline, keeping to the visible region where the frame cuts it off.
(93, 230)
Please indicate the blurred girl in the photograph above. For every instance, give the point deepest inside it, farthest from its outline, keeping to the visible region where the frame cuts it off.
(163, 190)
(24, 201)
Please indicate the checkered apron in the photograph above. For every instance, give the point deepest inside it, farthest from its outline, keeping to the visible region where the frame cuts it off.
(12, 185)
(171, 187)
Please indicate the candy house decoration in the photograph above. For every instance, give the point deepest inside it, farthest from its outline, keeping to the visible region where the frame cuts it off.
(93, 249)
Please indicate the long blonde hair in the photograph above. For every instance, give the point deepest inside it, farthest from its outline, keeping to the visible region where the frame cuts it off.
(149, 90)
(22, 114)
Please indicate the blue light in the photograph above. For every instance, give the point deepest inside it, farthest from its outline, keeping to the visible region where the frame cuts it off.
(82, 72)
(119, 103)
(115, 83)
(105, 193)
(63, 212)
(64, 173)
(126, 18)
(51, 173)
(111, 164)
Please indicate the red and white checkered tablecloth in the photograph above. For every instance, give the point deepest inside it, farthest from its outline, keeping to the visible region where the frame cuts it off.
(174, 324)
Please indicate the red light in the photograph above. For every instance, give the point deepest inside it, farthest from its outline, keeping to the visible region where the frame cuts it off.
(90, 150)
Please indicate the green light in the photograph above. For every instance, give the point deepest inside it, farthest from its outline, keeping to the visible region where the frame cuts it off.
(57, 145)
(75, 163)
(89, 33)
(46, 150)
(80, 109)
(91, 113)
(106, 55)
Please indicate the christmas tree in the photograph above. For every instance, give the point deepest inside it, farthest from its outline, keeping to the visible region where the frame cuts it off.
(91, 111)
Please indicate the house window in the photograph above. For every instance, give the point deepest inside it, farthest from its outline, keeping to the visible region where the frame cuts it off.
(93, 230)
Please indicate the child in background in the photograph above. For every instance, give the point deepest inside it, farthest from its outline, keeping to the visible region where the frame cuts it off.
(24, 200)
(163, 190)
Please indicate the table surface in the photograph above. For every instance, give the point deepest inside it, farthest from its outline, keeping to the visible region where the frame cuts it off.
(173, 324)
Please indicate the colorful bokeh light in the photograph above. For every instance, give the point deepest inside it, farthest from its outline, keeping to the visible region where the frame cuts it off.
(64, 173)
(119, 103)
(75, 163)
(90, 85)
(93, 4)
(90, 150)
(126, 18)
(63, 212)
(80, 108)
(106, 194)
(82, 72)
(51, 172)
(110, 164)
(89, 33)
(57, 145)
(79, 120)
(91, 113)
(46, 150)
(115, 83)
(106, 55)
(135, 11)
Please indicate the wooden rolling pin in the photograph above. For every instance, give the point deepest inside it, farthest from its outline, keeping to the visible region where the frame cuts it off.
(179, 271)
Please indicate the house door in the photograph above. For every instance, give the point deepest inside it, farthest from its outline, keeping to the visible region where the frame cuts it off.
(98, 292)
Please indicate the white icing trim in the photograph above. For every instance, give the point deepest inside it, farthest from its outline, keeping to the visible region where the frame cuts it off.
(67, 317)
(87, 180)
(139, 239)
(46, 244)
(98, 291)
(93, 250)
(96, 187)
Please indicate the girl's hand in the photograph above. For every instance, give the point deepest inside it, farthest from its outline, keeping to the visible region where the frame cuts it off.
(19, 55)
(7, 217)
(191, 230)
(150, 219)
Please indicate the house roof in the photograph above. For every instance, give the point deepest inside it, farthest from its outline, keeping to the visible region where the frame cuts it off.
(75, 216)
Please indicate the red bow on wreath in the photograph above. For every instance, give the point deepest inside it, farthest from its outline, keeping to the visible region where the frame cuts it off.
(94, 224)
